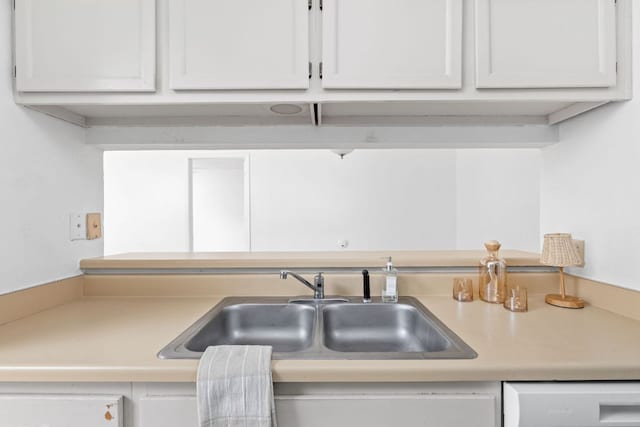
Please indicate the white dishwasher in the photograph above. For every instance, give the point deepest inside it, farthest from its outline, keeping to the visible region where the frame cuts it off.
(571, 404)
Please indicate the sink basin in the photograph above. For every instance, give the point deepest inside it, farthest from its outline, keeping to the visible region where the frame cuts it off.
(325, 329)
(380, 328)
(285, 327)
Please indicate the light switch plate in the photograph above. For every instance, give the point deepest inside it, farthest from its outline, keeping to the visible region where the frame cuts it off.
(77, 226)
(94, 226)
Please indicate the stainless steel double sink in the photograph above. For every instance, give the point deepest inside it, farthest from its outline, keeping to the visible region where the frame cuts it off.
(322, 329)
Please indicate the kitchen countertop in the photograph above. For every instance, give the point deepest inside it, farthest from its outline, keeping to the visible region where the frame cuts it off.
(117, 338)
(229, 260)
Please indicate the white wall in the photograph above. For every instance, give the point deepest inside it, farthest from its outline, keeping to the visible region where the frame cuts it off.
(591, 185)
(498, 196)
(374, 199)
(146, 201)
(46, 172)
(311, 199)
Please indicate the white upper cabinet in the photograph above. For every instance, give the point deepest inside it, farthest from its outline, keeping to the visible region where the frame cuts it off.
(239, 44)
(382, 62)
(85, 45)
(392, 44)
(545, 43)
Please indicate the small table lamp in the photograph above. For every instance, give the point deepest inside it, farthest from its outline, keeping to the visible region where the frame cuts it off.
(558, 251)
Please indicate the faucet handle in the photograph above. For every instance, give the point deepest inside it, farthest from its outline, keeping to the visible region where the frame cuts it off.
(318, 282)
(366, 289)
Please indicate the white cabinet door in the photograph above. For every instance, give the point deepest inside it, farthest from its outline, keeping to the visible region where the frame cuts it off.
(387, 410)
(545, 43)
(85, 45)
(239, 44)
(392, 44)
(343, 411)
(59, 410)
(168, 411)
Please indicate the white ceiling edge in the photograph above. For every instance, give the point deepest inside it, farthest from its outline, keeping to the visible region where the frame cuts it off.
(324, 137)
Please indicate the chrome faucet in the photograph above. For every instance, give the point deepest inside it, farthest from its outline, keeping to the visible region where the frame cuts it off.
(318, 282)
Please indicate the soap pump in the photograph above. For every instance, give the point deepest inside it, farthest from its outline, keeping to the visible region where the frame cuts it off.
(390, 287)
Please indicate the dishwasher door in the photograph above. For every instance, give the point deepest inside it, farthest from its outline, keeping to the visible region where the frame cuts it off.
(571, 404)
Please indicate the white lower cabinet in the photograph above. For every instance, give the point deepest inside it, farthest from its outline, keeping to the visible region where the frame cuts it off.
(37, 410)
(63, 405)
(297, 405)
(421, 410)
(341, 405)
(157, 411)
(470, 404)
(343, 411)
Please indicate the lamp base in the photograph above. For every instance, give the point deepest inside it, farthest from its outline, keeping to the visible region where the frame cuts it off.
(567, 302)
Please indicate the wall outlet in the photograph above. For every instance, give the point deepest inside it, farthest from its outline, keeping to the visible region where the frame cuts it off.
(579, 245)
(77, 226)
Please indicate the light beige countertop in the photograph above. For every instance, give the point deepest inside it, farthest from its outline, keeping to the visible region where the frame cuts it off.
(183, 260)
(117, 338)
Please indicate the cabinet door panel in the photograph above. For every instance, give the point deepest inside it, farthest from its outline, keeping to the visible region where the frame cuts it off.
(447, 410)
(545, 43)
(85, 45)
(169, 411)
(387, 410)
(239, 44)
(59, 410)
(392, 44)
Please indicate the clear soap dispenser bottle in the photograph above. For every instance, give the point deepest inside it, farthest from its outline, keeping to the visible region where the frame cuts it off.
(493, 275)
(390, 287)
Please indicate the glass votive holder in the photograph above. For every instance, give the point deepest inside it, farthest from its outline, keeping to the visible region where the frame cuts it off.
(462, 289)
(516, 299)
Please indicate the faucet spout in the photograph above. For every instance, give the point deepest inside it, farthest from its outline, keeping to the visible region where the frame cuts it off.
(317, 287)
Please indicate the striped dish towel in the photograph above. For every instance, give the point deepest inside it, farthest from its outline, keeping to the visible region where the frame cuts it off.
(235, 388)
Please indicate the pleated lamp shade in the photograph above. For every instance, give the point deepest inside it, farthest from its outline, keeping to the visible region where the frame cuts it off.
(558, 250)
